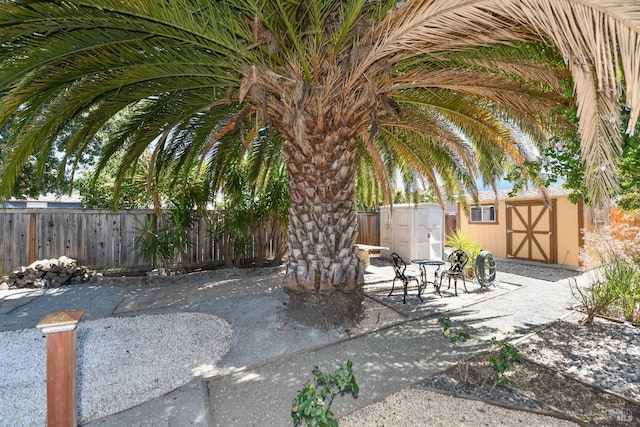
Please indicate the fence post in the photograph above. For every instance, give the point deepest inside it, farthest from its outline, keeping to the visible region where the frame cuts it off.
(62, 361)
(33, 221)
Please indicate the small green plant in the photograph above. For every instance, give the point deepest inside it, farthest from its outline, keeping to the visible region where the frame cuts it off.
(455, 338)
(593, 301)
(313, 403)
(505, 361)
(446, 324)
(165, 245)
(463, 241)
(152, 243)
(615, 292)
(623, 278)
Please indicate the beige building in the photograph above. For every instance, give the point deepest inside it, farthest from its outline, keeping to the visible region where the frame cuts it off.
(526, 228)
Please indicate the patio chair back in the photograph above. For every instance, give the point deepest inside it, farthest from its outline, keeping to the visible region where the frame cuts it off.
(399, 266)
(458, 259)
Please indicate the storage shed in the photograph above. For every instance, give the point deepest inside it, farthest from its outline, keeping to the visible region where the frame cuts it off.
(412, 230)
(525, 228)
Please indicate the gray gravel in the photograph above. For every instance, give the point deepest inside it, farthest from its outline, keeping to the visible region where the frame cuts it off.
(606, 355)
(499, 394)
(122, 362)
(191, 352)
(418, 407)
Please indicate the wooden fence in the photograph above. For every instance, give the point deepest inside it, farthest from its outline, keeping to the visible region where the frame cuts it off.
(96, 238)
(102, 239)
(369, 228)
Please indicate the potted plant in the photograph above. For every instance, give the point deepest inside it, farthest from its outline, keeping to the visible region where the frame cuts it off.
(460, 240)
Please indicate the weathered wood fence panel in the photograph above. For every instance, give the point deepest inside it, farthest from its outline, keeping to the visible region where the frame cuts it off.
(14, 241)
(369, 228)
(96, 238)
(203, 245)
(129, 224)
(103, 239)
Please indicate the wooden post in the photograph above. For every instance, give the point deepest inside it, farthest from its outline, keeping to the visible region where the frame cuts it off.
(32, 237)
(62, 361)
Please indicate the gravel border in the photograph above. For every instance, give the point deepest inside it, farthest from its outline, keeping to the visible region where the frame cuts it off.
(605, 354)
(419, 407)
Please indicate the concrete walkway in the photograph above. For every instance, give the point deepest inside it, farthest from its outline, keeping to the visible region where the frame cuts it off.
(271, 360)
(385, 360)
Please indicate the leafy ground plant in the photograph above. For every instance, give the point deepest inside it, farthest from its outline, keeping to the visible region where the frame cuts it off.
(614, 251)
(313, 404)
(456, 337)
(623, 278)
(505, 361)
(593, 301)
(615, 292)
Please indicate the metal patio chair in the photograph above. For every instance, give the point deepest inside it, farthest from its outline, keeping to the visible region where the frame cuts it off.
(399, 266)
(457, 260)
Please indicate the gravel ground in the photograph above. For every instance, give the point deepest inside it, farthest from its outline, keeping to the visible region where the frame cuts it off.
(418, 407)
(114, 372)
(540, 272)
(606, 355)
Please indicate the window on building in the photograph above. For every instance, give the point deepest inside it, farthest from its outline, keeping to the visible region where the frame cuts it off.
(483, 214)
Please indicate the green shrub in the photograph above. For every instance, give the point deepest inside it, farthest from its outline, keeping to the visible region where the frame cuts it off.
(455, 337)
(505, 361)
(593, 301)
(615, 292)
(313, 404)
(165, 245)
(460, 240)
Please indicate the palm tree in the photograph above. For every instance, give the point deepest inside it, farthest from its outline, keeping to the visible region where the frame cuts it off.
(445, 88)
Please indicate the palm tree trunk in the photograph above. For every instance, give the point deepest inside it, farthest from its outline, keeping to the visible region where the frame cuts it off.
(322, 216)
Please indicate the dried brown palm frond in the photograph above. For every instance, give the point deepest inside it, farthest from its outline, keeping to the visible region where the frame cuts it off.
(598, 40)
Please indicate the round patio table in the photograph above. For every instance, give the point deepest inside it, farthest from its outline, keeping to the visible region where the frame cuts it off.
(423, 263)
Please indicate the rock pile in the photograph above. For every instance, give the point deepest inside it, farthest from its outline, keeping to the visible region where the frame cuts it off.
(47, 273)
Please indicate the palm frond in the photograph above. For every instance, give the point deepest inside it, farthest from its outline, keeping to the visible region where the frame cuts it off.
(599, 41)
(489, 69)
